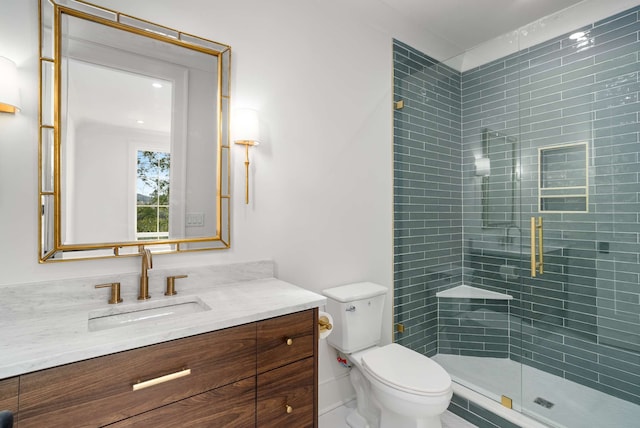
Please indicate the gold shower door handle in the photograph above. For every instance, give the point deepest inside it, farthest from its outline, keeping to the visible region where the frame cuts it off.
(537, 251)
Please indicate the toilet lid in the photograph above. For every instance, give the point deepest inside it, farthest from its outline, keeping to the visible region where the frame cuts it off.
(406, 370)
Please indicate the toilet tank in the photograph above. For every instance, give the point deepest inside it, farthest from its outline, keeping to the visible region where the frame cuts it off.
(357, 315)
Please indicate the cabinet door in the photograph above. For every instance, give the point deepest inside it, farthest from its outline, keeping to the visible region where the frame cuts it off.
(285, 339)
(230, 406)
(286, 396)
(9, 396)
(100, 391)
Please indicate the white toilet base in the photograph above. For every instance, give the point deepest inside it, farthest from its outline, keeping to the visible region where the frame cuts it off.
(392, 420)
(355, 420)
(369, 413)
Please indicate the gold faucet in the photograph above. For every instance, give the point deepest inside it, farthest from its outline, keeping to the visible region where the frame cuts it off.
(147, 263)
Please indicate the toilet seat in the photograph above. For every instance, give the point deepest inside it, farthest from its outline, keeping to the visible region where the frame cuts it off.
(406, 370)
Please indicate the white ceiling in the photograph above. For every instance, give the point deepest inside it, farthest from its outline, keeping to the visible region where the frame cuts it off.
(102, 94)
(468, 23)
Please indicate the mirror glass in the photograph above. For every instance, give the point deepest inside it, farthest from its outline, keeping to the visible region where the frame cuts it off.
(136, 153)
(499, 179)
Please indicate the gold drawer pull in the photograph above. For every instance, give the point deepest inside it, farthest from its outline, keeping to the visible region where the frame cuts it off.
(289, 408)
(161, 379)
(289, 342)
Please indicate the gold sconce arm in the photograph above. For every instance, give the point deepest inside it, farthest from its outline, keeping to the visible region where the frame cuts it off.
(247, 134)
(247, 144)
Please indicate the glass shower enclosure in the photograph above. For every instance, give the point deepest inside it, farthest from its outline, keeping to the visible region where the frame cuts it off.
(517, 223)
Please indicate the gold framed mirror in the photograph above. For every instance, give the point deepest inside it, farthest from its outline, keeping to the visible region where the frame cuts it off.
(134, 136)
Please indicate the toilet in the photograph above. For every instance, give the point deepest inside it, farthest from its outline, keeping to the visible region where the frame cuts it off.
(396, 387)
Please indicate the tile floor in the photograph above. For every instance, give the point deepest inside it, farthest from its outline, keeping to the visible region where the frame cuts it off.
(336, 419)
(575, 404)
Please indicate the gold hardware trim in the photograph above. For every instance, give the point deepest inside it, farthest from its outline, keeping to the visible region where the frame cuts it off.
(289, 342)
(506, 402)
(146, 264)
(400, 328)
(115, 292)
(324, 324)
(171, 284)
(166, 378)
(246, 144)
(6, 108)
(289, 409)
(399, 105)
(580, 191)
(537, 247)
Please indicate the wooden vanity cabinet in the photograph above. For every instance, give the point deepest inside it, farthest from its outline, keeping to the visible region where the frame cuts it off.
(101, 391)
(260, 374)
(288, 371)
(286, 396)
(9, 395)
(230, 406)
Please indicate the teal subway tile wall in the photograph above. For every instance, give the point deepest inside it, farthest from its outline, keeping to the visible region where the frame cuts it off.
(581, 319)
(427, 192)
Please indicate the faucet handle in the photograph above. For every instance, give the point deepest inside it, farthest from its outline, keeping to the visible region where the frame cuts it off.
(115, 291)
(171, 284)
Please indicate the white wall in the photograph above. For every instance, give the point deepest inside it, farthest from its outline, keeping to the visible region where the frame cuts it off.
(320, 73)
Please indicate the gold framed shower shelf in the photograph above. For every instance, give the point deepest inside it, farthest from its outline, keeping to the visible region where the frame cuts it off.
(563, 178)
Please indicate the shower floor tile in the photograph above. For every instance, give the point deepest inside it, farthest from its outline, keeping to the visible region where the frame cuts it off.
(572, 405)
(336, 419)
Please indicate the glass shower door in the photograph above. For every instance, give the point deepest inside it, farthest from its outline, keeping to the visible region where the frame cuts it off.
(580, 306)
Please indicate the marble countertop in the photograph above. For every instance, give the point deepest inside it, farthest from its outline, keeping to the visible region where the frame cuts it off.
(42, 331)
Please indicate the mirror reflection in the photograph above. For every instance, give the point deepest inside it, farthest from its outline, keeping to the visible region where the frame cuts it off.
(140, 146)
(499, 179)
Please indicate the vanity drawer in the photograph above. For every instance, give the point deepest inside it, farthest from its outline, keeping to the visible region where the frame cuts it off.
(99, 391)
(229, 406)
(285, 339)
(287, 388)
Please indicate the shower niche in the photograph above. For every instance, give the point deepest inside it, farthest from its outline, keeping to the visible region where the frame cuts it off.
(563, 178)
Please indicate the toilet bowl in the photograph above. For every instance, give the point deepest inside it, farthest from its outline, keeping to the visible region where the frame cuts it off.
(412, 390)
(395, 386)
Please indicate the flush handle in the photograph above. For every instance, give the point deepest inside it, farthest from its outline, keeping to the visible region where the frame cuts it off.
(351, 308)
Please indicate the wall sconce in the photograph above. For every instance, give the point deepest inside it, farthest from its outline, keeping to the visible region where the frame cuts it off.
(247, 133)
(483, 167)
(9, 97)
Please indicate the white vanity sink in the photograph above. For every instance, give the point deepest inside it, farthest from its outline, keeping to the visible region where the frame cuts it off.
(118, 317)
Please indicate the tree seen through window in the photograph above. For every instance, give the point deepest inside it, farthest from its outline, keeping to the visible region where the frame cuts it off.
(152, 220)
